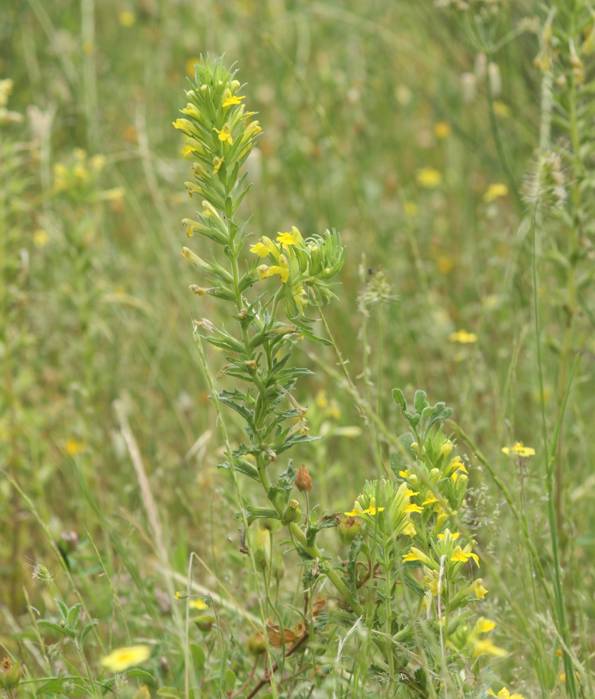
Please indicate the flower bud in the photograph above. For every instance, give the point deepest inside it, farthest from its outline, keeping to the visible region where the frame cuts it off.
(303, 480)
(349, 528)
(292, 513)
(261, 542)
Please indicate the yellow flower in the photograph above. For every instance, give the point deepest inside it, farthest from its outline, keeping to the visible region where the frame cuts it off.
(430, 500)
(457, 464)
(405, 473)
(484, 625)
(505, 694)
(453, 536)
(259, 249)
(127, 18)
(266, 271)
(446, 448)
(217, 163)
(40, 238)
(289, 238)
(478, 589)
(414, 554)
(441, 130)
(224, 135)
(461, 555)
(123, 658)
(191, 65)
(501, 109)
(74, 447)
(463, 337)
(495, 191)
(412, 507)
(198, 604)
(429, 177)
(191, 110)
(519, 449)
(409, 529)
(485, 647)
(184, 126)
(371, 510)
(230, 100)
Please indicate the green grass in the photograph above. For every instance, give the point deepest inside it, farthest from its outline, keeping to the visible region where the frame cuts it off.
(389, 122)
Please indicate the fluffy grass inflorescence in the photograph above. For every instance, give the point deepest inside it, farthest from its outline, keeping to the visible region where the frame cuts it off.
(260, 512)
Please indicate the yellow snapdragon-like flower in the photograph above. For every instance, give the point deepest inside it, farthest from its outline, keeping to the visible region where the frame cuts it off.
(462, 555)
(198, 604)
(479, 590)
(414, 554)
(519, 449)
(463, 337)
(289, 238)
(230, 100)
(371, 510)
(224, 135)
(484, 625)
(281, 270)
(484, 646)
(123, 658)
(412, 507)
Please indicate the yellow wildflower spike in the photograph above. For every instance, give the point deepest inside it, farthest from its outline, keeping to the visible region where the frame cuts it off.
(191, 110)
(232, 100)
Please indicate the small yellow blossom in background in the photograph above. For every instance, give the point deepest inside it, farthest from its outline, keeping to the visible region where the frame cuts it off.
(497, 190)
(410, 209)
(478, 589)
(441, 130)
(198, 604)
(225, 135)
(453, 535)
(191, 65)
(74, 446)
(562, 677)
(289, 238)
(429, 178)
(40, 238)
(463, 337)
(460, 555)
(519, 449)
(502, 110)
(505, 694)
(123, 658)
(445, 264)
(412, 507)
(231, 100)
(127, 18)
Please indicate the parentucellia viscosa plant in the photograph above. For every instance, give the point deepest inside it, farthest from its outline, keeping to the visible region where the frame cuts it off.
(400, 616)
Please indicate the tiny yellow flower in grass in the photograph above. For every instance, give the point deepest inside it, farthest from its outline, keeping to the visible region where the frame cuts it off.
(495, 191)
(372, 510)
(127, 18)
(461, 555)
(74, 446)
(505, 694)
(501, 109)
(452, 535)
(224, 135)
(429, 177)
(485, 647)
(441, 130)
(463, 337)
(405, 473)
(457, 464)
(484, 625)
(231, 100)
(264, 247)
(478, 589)
(123, 658)
(198, 604)
(40, 238)
(519, 449)
(289, 238)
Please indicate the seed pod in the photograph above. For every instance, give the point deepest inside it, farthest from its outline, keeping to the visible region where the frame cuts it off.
(292, 513)
(349, 528)
(256, 643)
(303, 480)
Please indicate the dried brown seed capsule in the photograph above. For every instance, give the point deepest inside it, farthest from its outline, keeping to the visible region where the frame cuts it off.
(303, 480)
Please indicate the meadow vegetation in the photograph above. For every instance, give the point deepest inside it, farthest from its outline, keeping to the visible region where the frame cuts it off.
(295, 395)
